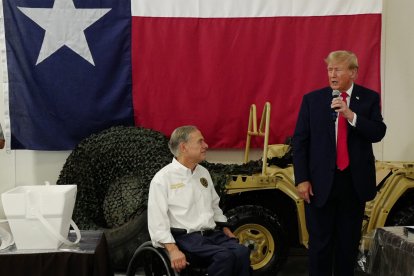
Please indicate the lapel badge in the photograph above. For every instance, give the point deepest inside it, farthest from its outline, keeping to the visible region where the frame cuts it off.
(357, 97)
(204, 182)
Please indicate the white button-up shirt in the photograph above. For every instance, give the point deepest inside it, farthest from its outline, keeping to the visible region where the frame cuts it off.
(181, 198)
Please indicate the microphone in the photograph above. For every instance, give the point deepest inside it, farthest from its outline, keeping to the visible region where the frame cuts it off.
(335, 94)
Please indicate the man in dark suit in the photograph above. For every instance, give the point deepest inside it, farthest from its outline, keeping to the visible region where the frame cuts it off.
(334, 164)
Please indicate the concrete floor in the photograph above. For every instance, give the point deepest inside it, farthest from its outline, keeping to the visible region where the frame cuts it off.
(296, 265)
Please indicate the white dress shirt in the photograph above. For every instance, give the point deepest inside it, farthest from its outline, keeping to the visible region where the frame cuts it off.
(177, 198)
(348, 101)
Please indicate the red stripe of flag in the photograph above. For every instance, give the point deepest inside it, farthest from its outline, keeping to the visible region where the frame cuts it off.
(208, 71)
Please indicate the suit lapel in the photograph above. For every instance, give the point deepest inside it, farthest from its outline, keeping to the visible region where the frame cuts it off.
(355, 102)
(331, 124)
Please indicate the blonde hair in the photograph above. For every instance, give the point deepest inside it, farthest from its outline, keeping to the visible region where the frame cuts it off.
(343, 56)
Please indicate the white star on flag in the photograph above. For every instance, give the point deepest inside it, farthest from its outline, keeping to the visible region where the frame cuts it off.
(64, 25)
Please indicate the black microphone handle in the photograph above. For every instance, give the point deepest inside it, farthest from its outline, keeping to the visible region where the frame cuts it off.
(335, 94)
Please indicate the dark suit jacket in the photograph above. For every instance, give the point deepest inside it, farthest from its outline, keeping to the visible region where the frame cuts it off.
(314, 142)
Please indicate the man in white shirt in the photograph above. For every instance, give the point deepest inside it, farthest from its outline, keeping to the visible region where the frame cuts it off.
(182, 195)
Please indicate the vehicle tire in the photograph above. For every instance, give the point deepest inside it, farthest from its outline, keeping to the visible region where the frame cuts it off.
(404, 216)
(124, 240)
(260, 230)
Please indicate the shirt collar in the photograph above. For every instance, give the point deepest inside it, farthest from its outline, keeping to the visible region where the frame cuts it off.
(181, 168)
(349, 91)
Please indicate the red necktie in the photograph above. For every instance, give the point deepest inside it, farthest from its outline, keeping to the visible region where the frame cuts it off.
(342, 158)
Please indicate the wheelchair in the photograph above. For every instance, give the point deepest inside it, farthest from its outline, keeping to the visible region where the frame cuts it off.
(156, 261)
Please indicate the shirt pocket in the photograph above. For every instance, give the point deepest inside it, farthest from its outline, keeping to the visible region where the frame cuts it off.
(204, 195)
(180, 196)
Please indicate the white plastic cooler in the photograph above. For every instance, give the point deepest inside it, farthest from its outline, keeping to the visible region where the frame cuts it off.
(40, 216)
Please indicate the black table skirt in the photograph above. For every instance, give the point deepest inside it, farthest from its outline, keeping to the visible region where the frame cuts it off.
(89, 258)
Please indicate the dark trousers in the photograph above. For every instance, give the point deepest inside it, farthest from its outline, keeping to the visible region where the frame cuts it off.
(335, 229)
(223, 255)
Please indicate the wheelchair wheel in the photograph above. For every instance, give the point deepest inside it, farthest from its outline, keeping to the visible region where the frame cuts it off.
(151, 261)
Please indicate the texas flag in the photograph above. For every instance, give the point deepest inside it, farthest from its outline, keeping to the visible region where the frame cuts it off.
(76, 67)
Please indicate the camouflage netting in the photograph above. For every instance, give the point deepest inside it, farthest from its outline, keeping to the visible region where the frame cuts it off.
(221, 173)
(123, 200)
(113, 170)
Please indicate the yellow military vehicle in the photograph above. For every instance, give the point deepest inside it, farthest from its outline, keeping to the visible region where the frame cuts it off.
(269, 215)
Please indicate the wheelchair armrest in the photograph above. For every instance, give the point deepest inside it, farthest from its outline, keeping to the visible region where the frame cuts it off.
(178, 231)
(222, 224)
